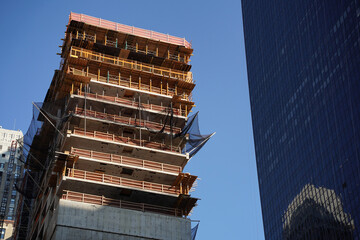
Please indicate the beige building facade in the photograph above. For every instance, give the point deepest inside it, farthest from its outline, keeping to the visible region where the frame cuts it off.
(10, 171)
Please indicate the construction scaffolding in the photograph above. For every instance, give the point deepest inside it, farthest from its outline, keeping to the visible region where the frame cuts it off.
(114, 120)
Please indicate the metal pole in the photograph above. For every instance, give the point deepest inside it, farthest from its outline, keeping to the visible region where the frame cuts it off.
(171, 127)
(85, 109)
(140, 118)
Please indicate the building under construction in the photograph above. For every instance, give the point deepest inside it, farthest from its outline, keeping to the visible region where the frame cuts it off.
(106, 150)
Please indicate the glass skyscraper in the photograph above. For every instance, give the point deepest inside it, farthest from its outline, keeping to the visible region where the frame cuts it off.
(303, 61)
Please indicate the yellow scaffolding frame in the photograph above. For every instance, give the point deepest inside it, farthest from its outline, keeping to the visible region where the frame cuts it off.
(76, 52)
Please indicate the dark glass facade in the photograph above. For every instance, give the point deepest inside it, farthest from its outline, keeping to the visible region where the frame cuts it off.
(303, 61)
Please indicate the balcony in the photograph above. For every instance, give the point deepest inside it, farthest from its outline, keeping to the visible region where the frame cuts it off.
(101, 200)
(125, 120)
(122, 182)
(127, 140)
(134, 104)
(135, 48)
(127, 161)
(76, 52)
(134, 84)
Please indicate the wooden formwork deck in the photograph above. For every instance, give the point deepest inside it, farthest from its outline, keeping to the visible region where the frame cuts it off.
(101, 200)
(126, 140)
(130, 161)
(125, 120)
(129, 29)
(122, 182)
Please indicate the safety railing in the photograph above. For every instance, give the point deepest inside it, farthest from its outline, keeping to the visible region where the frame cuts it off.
(129, 29)
(122, 182)
(123, 160)
(131, 103)
(133, 65)
(92, 38)
(131, 83)
(85, 36)
(101, 200)
(126, 140)
(125, 120)
(169, 55)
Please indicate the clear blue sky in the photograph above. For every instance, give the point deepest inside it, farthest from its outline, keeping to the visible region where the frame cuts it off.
(230, 204)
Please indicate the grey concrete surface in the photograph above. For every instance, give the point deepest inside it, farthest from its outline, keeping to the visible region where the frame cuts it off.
(88, 221)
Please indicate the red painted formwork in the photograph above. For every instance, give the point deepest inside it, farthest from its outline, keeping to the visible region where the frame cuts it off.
(129, 29)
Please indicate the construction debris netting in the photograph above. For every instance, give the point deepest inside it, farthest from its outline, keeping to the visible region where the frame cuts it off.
(37, 141)
(36, 146)
(37, 150)
(49, 119)
(29, 156)
(194, 231)
(167, 124)
(49, 123)
(195, 139)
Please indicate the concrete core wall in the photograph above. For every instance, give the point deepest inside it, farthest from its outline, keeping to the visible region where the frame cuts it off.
(79, 221)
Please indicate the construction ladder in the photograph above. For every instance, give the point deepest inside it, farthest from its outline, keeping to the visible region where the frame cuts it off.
(9, 173)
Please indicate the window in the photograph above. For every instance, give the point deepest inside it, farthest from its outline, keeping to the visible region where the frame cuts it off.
(10, 213)
(3, 155)
(2, 234)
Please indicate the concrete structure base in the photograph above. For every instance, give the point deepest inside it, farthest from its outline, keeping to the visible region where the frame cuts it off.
(79, 221)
